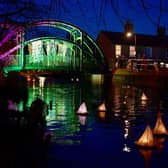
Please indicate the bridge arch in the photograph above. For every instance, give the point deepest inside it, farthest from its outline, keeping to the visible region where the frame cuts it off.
(75, 48)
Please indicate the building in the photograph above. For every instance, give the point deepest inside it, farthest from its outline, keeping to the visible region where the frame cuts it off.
(118, 48)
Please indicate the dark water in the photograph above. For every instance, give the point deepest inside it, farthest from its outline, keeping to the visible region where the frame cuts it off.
(106, 139)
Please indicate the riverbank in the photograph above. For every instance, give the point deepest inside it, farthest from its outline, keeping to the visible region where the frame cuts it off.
(148, 78)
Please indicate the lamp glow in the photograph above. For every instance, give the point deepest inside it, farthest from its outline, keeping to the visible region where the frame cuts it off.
(128, 34)
(143, 97)
(101, 107)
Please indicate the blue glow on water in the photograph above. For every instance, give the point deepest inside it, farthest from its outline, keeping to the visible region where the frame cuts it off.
(103, 139)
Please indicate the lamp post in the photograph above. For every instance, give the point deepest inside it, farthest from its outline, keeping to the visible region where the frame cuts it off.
(129, 33)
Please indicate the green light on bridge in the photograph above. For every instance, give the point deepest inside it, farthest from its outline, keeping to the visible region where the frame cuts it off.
(50, 53)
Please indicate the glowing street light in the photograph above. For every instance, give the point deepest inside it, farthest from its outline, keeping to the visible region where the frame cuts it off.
(129, 32)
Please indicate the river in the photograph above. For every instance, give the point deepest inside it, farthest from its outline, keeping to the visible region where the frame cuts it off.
(101, 139)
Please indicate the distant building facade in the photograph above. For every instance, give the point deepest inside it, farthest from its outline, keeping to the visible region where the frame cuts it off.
(118, 48)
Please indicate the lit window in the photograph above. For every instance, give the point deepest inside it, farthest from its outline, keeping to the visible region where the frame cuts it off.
(118, 50)
(132, 51)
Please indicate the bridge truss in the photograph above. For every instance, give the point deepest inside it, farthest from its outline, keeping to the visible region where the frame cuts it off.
(50, 45)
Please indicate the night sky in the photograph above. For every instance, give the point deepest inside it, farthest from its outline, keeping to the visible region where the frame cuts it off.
(92, 16)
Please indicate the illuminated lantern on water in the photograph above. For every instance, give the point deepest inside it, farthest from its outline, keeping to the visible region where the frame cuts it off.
(101, 107)
(159, 128)
(82, 110)
(102, 110)
(144, 97)
(147, 139)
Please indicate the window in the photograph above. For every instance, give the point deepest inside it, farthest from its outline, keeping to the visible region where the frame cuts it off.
(148, 52)
(132, 51)
(117, 50)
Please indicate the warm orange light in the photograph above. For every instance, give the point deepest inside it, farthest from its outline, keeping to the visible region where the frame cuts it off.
(102, 114)
(128, 34)
(159, 141)
(143, 97)
(146, 139)
(101, 107)
(28, 78)
(146, 153)
(159, 128)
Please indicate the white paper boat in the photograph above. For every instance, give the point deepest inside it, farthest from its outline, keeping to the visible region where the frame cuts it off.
(82, 110)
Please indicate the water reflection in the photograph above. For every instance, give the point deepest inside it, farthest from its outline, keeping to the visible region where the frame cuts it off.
(160, 143)
(122, 101)
(146, 154)
(63, 99)
(111, 131)
(82, 119)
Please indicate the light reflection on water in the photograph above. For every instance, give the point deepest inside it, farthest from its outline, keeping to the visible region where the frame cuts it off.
(123, 122)
(122, 100)
(63, 99)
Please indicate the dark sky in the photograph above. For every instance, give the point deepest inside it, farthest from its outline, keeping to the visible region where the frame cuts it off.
(92, 16)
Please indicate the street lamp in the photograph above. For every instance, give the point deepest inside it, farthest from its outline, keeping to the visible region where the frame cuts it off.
(129, 32)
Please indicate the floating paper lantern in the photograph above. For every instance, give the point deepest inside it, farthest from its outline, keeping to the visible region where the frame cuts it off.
(147, 139)
(144, 97)
(101, 107)
(82, 110)
(159, 128)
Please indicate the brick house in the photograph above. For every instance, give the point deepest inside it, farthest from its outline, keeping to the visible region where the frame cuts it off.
(116, 46)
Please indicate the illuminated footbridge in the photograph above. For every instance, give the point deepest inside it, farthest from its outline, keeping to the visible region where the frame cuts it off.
(50, 46)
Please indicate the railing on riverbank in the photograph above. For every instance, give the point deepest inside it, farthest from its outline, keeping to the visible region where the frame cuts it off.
(141, 65)
(146, 72)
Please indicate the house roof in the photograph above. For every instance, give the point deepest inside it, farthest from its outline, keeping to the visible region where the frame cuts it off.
(141, 39)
